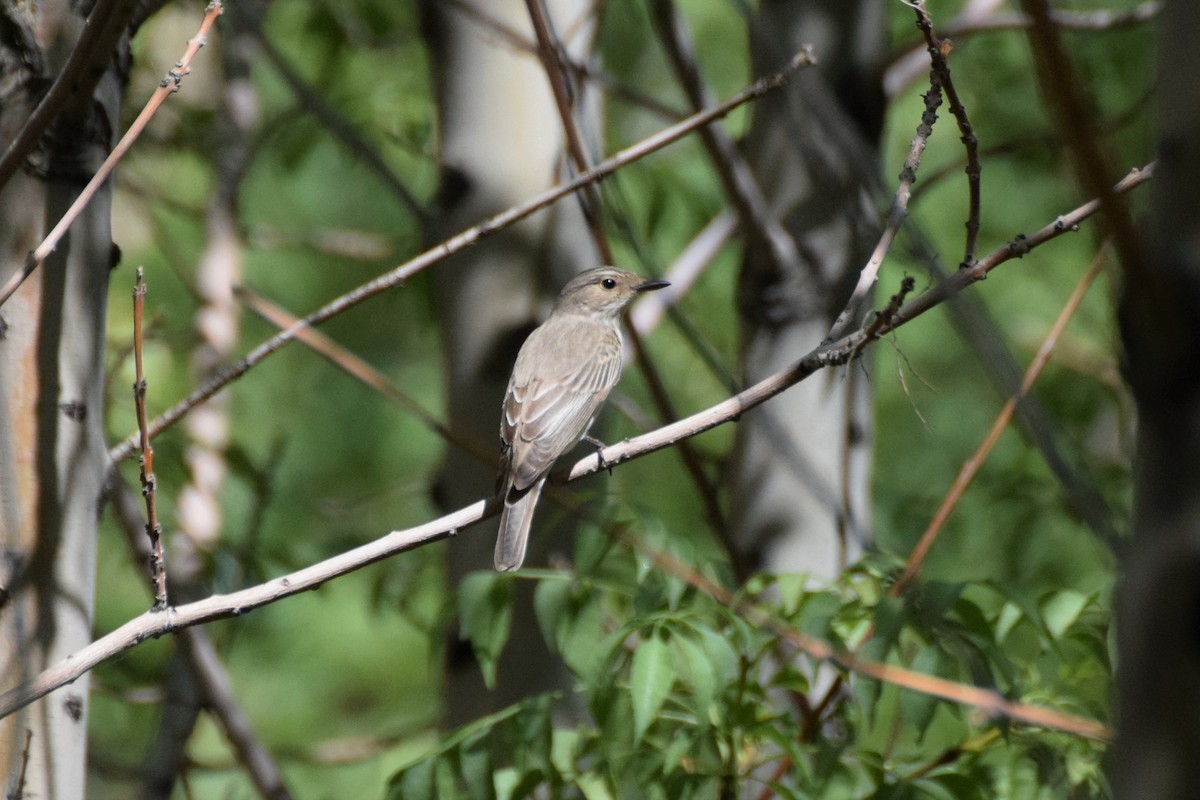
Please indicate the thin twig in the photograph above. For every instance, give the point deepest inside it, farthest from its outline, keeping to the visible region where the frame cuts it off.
(457, 243)
(167, 87)
(907, 64)
(896, 215)
(359, 369)
(519, 41)
(158, 566)
(938, 50)
(549, 52)
(972, 465)
(237, 603)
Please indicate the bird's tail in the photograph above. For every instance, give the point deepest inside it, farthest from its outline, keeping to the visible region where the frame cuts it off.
(515, 520)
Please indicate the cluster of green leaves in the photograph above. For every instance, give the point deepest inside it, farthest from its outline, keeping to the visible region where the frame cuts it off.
(688, 696)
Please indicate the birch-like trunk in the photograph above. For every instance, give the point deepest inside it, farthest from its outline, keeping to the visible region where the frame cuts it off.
(801, 465)
(52, 453)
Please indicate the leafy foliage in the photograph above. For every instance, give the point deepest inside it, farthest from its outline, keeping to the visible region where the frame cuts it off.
(688, 699)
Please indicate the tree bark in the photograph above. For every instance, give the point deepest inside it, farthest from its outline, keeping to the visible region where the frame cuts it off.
(52, 454)
(801, 467)
(1158, 611)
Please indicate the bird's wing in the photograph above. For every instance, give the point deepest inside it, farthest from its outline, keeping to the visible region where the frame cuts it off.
(547, 411)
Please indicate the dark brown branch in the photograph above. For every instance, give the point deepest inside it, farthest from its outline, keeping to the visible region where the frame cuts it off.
(341, 128)
(938, 50)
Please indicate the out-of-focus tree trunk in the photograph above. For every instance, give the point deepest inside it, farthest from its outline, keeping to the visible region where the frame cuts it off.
(801, 466)
(1158, 641)
(501, 143)
(52, 453)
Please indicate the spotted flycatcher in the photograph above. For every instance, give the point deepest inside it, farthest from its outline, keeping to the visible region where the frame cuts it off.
(563, 373)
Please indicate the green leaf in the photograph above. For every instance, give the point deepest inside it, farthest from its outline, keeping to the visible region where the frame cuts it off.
(583, 640)
(1010, 615)
(650, 681)
(1060, 610)
(413, 783)
(475, 766)
(700, 674)
(551, 602)
(594, 787)
(485, 617)
(919, 707)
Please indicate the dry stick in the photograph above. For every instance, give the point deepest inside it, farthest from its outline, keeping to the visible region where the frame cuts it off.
(457, 243)
(167, 87)
(151, 625)
(938, 50)
(158, 567)
(973, 464)
(84, 68)
(898, 212)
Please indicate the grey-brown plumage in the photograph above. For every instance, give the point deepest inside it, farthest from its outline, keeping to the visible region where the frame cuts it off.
(563, 373)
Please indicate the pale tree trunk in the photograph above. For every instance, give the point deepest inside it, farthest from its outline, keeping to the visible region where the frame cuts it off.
(1158, 642)
(501, 143)
(52, 453)
(801, 465)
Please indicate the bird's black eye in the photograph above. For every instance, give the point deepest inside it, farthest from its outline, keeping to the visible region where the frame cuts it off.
(608, 283)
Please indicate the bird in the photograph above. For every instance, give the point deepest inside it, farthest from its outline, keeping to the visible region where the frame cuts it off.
(563, 373)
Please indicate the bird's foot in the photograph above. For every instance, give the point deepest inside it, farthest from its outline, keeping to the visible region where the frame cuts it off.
(599, 445)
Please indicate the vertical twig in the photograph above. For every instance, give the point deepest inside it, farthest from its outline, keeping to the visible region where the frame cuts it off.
(898, 212)
(938, 49)
(549, 52)
(972, 465)
(158, 568)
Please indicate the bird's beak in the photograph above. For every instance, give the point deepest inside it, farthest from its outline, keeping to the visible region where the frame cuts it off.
(650, 286)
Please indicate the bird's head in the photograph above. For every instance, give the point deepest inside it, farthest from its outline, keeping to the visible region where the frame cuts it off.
(603, 292)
